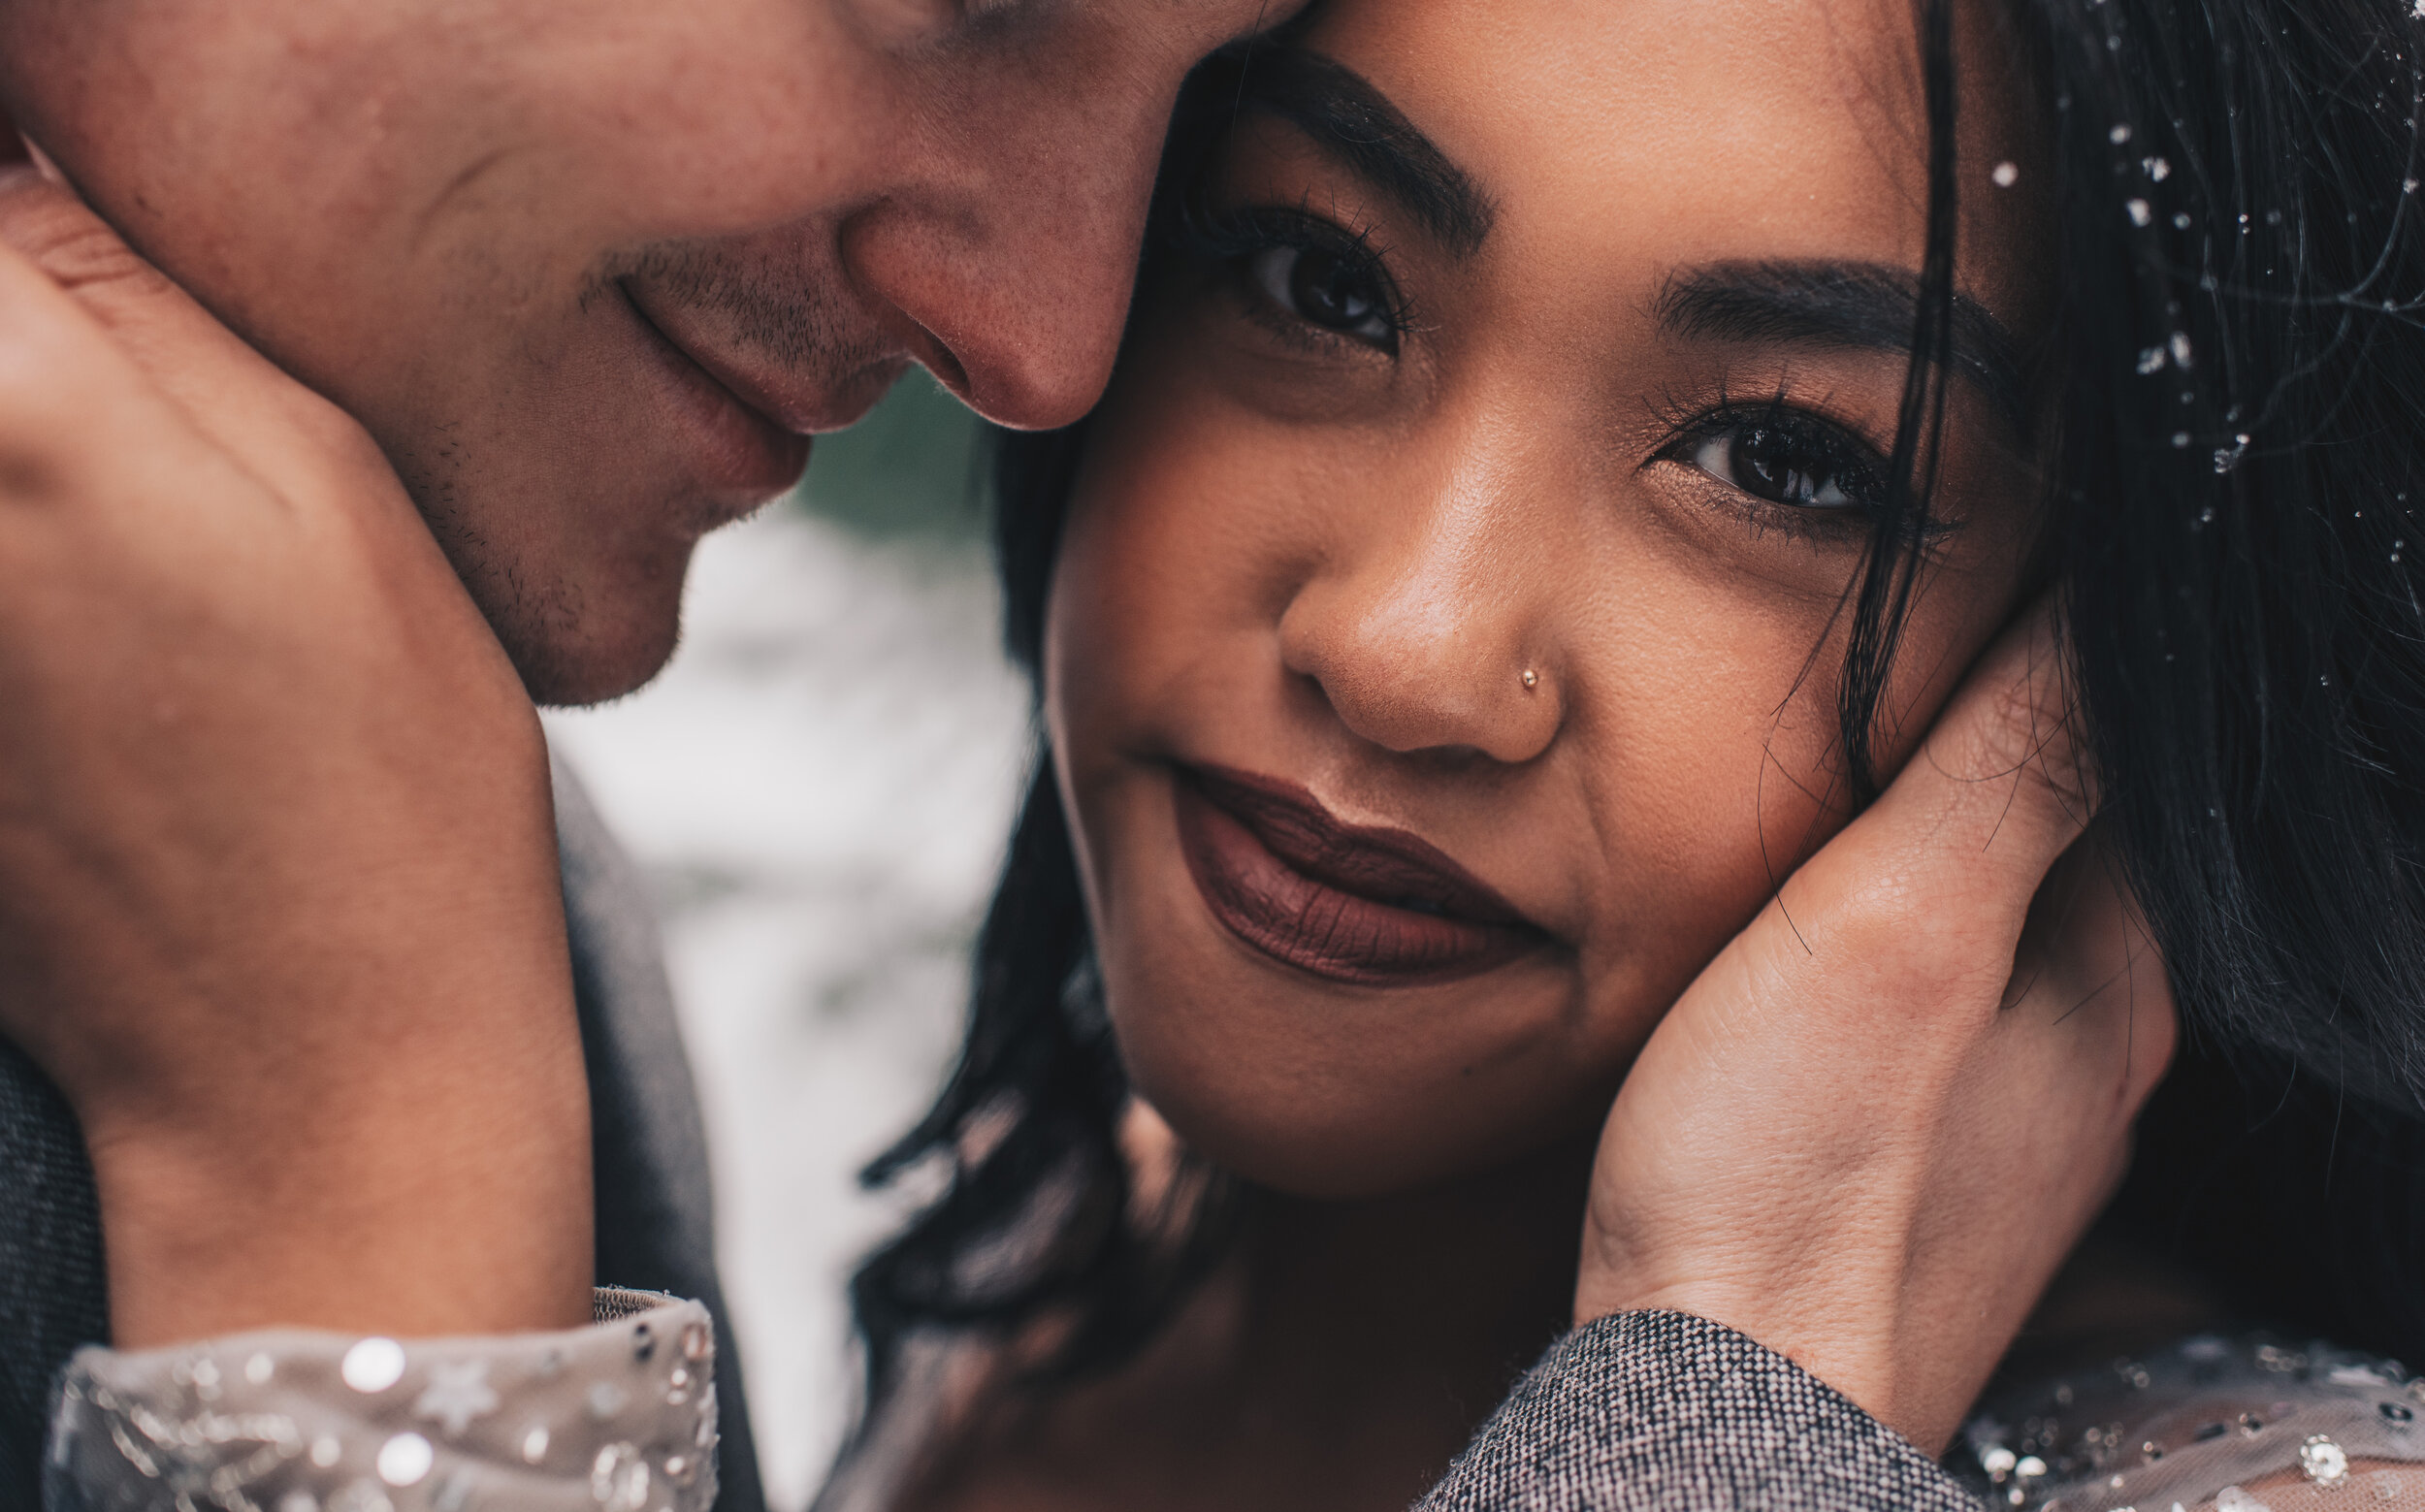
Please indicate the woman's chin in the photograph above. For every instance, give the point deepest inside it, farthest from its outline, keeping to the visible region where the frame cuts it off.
(1342, 1089)
(1335, 1162)
(1343, 1132)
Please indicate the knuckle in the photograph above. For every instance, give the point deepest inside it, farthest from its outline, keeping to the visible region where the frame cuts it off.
(2013, 725)
(43, 424)
(342, 439)
(1874, 921)
(58, 389)
(72, 245)
(29, 471)
(1908, 944)
(334, 453)
(2018, 784)
(2154, 1030)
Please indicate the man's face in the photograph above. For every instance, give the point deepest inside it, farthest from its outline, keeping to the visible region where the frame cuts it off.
(589, 269)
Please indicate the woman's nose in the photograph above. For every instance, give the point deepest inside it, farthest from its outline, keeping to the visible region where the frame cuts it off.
(1430, 638)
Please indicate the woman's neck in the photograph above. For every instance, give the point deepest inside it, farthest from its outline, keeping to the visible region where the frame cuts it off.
(1338, 1360)
(1451, 1291)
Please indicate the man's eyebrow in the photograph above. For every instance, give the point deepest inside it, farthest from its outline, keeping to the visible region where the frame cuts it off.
(1868, 306)
(1340, 110)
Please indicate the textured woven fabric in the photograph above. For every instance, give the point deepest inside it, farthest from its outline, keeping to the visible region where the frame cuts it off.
(52, 1296)
(654, 1219)
(1665, 1411)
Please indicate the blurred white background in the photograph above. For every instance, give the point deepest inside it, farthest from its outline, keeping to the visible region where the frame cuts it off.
(819, 788)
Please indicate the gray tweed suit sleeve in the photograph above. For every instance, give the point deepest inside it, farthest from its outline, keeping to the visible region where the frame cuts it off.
(1662, 1410)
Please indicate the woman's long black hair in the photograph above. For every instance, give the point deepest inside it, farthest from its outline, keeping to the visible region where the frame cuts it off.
(2236, 386)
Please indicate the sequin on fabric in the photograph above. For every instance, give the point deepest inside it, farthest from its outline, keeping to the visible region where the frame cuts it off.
(2251, 1423)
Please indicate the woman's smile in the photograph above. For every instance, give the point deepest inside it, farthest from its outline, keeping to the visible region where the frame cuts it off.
(1357, 904)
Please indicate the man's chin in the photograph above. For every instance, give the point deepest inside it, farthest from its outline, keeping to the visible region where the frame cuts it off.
(575, 648)
(559, 678)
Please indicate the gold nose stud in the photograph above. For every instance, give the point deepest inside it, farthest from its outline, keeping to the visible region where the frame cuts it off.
(1531, 679)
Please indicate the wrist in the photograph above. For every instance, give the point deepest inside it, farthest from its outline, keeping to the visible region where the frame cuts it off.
(1842, 1328)
(401, 1194)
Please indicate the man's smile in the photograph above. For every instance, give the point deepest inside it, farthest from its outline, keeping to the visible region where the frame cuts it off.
(741, 448)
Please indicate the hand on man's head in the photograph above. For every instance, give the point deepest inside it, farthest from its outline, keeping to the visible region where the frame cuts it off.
(589, 269)
(275, 833)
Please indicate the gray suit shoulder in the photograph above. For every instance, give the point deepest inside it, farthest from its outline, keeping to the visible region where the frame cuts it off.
(639, 1070)
(1665, 1411)
(656, 1215)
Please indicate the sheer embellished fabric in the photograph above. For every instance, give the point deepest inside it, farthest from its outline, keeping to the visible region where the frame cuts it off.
(2210, 1424)
(620, 1416)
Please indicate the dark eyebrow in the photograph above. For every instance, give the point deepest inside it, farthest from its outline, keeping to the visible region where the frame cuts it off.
(1338, 109)
(1867, 305)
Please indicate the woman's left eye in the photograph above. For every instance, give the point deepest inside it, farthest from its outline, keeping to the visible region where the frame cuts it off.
(1325, 289)
(1790, 462)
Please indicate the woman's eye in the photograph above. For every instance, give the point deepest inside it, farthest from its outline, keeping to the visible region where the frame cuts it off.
(1324, 289)
(1786, 465)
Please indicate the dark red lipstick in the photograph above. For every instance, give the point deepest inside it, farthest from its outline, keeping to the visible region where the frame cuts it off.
(1353, 903)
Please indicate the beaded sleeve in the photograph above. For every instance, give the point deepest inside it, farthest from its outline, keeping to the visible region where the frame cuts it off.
(619, 1416)
(2252, 1423)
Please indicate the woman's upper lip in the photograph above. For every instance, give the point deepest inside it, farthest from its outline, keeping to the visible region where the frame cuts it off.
(1386, 865)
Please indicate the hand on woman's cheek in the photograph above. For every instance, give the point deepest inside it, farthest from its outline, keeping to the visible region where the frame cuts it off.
(1875, 1126)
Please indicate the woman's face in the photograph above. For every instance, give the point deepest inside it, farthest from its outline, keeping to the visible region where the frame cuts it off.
(1443, 651)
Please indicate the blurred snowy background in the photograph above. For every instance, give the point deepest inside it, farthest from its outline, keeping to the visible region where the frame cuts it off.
(820, 786)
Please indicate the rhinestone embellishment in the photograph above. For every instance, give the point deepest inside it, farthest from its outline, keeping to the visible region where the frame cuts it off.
(619, 1478)
(2325, 1463)
(374, 1365)
(405, 1459)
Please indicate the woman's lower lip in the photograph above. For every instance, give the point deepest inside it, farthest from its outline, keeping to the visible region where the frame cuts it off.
(1319, 929)
(736, 451)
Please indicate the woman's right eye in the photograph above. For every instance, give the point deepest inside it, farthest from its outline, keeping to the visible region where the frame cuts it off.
(1325, 289)
(1785, 459)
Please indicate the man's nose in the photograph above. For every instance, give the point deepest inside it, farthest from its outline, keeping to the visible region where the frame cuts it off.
(1012, 279)
(1021, 326)
(1429, 633)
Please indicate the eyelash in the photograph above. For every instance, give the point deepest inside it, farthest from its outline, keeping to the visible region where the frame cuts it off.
(1818, 450)
(1233, 239)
